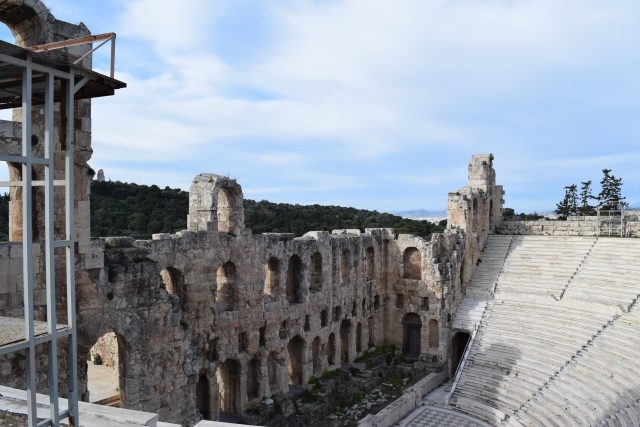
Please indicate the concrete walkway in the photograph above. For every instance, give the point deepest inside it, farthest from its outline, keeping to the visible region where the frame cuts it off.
(103, 382)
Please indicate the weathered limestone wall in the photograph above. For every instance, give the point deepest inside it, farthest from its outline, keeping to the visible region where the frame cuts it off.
(213, 318)
(574, 226)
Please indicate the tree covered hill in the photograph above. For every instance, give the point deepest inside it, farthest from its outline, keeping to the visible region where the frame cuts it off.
(123, 209)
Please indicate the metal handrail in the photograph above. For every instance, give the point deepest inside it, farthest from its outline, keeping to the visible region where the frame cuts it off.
(458, 372)
(104, 38)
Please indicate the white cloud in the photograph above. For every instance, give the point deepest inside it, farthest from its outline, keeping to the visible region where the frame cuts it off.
(363, 80)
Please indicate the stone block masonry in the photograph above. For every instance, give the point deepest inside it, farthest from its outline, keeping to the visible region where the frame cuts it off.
(208, 320)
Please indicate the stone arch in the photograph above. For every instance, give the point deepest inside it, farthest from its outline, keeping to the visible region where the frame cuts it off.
(359, 338)
(294, 280)
(412, 262)
(272, 371)
(228, 377)
(227, 210)
(345, 338)
(434, 334)
(106, 370)
(272, 277)
(458, 345)
(215, 204)
(315, 356)
(345, 267)
(331, 349)
(253, 379)
(28, 21)
(315, 272)
(411, 335)
(295, 350)
(369, 264)
(173, 281)
(226, 286)
(203, 397)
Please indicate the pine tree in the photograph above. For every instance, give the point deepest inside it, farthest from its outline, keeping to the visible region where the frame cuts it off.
(569, 204)
(611, 191)
(586, 208)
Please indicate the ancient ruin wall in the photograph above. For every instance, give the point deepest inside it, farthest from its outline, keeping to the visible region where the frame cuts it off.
(573, 226)
(217, 309)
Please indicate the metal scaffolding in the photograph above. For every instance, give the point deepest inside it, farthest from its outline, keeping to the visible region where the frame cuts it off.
(22, 71)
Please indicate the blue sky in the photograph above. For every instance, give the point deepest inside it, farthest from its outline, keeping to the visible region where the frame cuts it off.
(369, 103)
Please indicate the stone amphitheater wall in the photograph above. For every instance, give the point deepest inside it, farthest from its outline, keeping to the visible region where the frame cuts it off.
(216, 310)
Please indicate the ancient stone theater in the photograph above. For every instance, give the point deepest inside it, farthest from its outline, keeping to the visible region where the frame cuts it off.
(523, 323)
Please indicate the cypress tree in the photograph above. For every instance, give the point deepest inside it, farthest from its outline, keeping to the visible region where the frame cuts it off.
(611, 191)
(586, 208)
(568, 206)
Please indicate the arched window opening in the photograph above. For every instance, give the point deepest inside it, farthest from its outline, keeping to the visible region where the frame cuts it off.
(315, 356)
(331, 349)
(315, 284)
(345, 267)
(412, 261)
(272, 277)
(345, 338)
(411, 335)
(228, 377)
(105, 371)
(434, 334)
(173, 281)
(294, 279)
(203, 397)
(226, 286)
(369, 266)
(253, 380)
(227, 210)
(295, 349)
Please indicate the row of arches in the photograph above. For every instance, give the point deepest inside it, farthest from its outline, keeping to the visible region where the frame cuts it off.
(226, 276)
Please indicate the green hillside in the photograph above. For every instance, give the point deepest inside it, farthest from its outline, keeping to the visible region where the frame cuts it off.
(123, 209)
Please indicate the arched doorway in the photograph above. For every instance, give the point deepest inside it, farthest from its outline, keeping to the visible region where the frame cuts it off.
(203, 397)
(228, 210)
(359, 338)
(105, 371)
(345, 267)
(295, 348)
(458, 344)
(345, 332)
(228, 377)
(411, 335)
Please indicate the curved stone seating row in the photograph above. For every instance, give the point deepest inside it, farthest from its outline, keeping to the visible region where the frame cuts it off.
(542, 266)
(609, 274)
(601, 387)
(537, 361)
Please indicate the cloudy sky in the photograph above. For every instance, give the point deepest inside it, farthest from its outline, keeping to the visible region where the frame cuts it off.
(370, 103)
